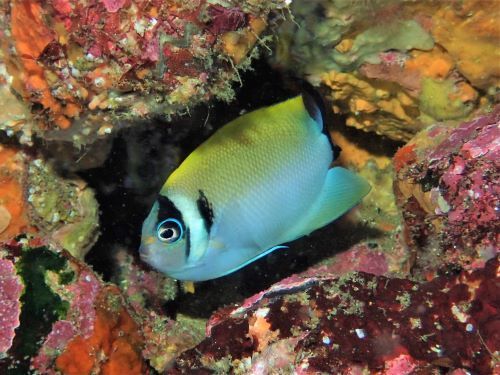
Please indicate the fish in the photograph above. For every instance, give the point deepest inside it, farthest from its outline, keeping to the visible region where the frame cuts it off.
(259, 182)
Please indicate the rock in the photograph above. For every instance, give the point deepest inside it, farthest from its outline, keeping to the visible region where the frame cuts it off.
(70, 320)
(11, 288)
(14, 208)
(34, 198)
(91, 67)
(358, 322)
(447, 187)
(395, 67)
(147, 292)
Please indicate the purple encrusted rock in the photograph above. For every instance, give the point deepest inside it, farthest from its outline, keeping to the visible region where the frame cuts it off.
(357, 323)
(11, 289)
(447, 187)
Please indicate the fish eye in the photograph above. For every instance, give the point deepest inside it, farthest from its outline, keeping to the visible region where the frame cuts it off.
(169, 230)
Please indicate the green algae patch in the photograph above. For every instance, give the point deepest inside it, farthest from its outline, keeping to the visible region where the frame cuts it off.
(400, 35)
(64, 208)
(41, 307)
(438, 99)
(79, 234)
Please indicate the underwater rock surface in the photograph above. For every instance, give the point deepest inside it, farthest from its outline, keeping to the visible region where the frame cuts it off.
(69, 321)
(34, 198)
(89, 66)
(447, 187)
(405, 283)
(358, 322)
(394, 67)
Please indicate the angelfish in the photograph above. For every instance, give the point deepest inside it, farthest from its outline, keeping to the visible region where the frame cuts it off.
(262, 180)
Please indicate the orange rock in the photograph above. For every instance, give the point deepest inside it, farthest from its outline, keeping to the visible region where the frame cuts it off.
(13, 210)
(30, 42)
(404, 155)
(113, 348)
(354, 154)
(236, 44)
(469, 31)
(433, 64)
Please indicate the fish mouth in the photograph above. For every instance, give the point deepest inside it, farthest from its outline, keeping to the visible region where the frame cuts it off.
(144, 253)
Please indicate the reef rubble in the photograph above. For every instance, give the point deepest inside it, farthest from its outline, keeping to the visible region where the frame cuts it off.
(66, 311)
(405, 283)
(447, 188)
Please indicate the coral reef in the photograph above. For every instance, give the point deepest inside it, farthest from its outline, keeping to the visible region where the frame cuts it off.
(447, 188)
(67, 312)
(427, 61)
(147, 292)
(359, 322)
(406, 282)
(90, 66)
(35, 198)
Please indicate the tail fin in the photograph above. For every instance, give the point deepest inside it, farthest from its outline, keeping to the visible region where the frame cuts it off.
(342, 190)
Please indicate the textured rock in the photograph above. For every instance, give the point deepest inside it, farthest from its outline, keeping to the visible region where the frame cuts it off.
(13, 207)
(394, 67)
(10, 307)
(70, 321)
(447, 187)
(89, 66)
(359, 322)
(34, 198)
(147, 292)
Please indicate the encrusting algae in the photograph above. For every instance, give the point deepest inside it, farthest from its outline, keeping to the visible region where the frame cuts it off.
(33, 198)
(442, 63)
(90, 66)
(405, 282)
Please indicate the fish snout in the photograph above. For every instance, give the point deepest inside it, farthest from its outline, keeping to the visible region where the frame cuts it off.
(144, 253)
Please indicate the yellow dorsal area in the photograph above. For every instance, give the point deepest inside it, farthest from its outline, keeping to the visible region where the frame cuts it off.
(248, 149)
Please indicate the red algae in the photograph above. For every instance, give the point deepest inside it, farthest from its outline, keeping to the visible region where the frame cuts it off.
(89, 329)
(449, 193)
(372, 323)
(11, 288)
(90, 63)
(114, 344)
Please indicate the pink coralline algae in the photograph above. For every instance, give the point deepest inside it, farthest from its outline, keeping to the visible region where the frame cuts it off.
(358, 323)
(113, 6)
(447, 187)
(359, 258)
(65, 312)
(10, 309)
(226, 19)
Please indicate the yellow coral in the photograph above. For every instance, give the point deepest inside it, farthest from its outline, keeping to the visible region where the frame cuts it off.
(236, 44)
(373, 105)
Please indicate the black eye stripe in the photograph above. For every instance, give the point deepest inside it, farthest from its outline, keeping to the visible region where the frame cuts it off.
(205, 210)
(188, 243)
(167, 209)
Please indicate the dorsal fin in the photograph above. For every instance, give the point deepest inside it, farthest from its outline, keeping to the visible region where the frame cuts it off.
(314, 105)
(313, 102)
